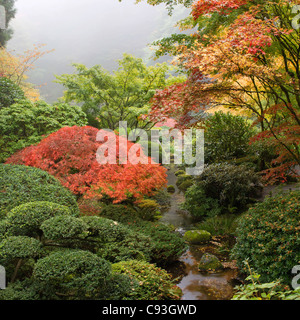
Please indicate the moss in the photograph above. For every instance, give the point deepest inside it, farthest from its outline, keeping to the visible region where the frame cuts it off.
(197, 236)
(210, 262)
(171, 189)
(179, 173)
(185, 185)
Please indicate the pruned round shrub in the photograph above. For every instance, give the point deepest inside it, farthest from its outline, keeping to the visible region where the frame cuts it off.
(120, 213)
(135, 246)
(26, 219)
(121, 287)
(64, 228)
(269, 237)
(154, 283)
(21, 184)
(117, 242)
(19, 248)
(73, 274)
(105, 230)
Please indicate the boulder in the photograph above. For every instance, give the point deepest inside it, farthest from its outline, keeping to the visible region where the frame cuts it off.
(197, 236)
(209, 262)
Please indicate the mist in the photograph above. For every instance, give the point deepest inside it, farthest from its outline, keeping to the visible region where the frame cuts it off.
(89, 32)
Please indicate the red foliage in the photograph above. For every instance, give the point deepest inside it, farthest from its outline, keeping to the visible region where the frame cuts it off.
(181, 102)
(201, 7)
(70, 155)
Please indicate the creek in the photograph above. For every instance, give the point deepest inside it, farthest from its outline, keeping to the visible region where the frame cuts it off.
(194, 284)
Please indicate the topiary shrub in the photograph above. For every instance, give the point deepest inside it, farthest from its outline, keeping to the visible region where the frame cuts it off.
(64, 228)
(21, 184)
(15, 252)
(120, 213)
(154, 283)
(9, 93)
(73, 274)
(26, 219)
(135, 246)
(268, 237)
(117, 242)
(105, 230)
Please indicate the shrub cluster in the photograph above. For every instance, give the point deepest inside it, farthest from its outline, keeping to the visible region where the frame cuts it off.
(21, 184)
(268, 237)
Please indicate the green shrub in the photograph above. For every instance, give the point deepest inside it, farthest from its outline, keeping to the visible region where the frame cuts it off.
(253, 289)
(19, 248)
(20, 291)
(121, 287)
(268, 237)
(26, 123)
(64, 228)
(167, 245)
(120, 213)
(234, 187)
(163, 198)
(148, 209)
(9, 93)
(117, 242)
(182, 178)
(220, 225)
(226, 137)
(19, 252)
(105, 230)
(199, 205)
(21, 184)
(135, 246)
(154, 283)
(184, 186)
(26, 219)
(73, 274)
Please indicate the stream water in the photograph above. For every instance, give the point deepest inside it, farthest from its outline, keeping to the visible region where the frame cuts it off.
(194, 284)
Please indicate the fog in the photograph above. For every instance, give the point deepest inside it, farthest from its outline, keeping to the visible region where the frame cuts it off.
(86, 31)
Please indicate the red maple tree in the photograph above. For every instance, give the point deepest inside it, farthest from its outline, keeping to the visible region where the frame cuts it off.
(70, 155)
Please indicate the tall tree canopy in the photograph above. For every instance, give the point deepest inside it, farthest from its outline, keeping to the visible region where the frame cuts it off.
(123, 95)
(243, 56)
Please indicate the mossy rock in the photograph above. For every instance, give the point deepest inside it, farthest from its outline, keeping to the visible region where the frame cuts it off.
(179, 173)
(209, 262)
(197, 236)
(185, 185)
(182, 178)
(171, 189)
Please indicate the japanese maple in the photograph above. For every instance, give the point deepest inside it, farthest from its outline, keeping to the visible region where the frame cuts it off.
(70, 155)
